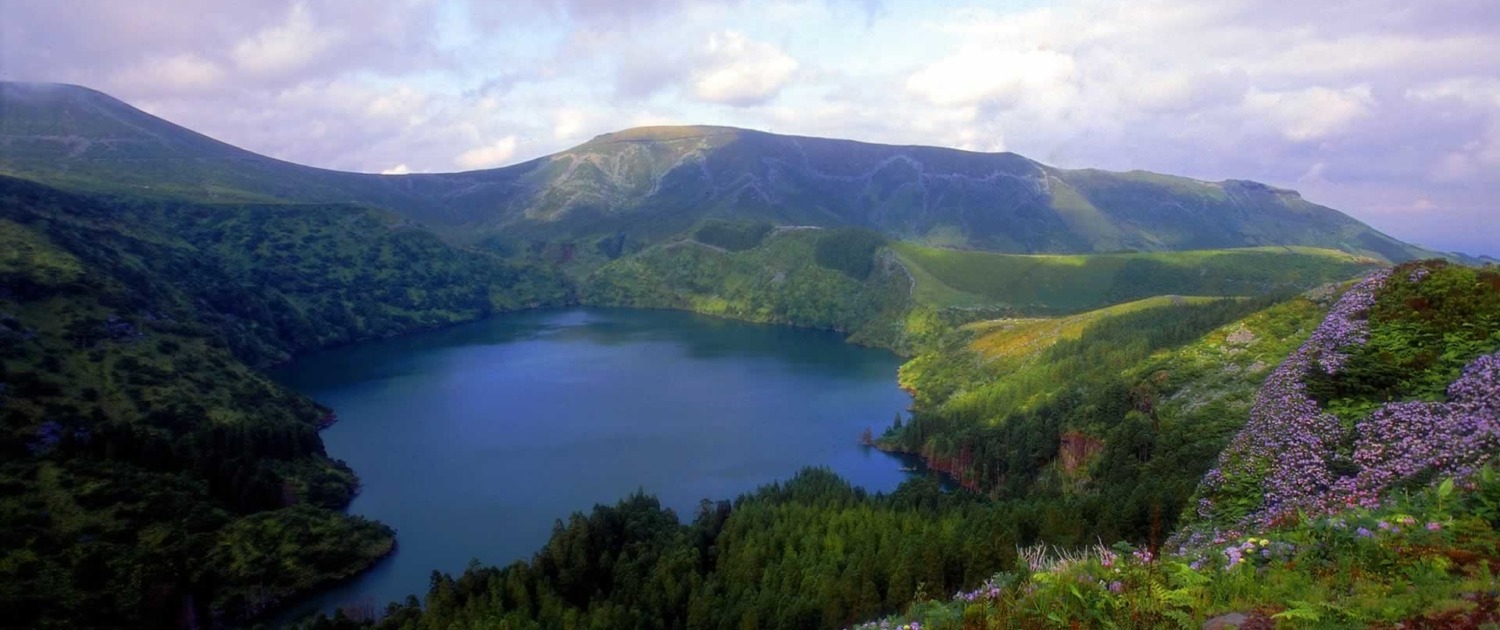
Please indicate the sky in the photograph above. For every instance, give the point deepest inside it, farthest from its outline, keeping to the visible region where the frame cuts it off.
(1386, 109)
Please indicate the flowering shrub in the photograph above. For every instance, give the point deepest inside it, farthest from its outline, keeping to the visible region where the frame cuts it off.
(1402, 441)
(1288, 440)
(1293, 457)
(990, 590)
(1404, 564)
(887, 624)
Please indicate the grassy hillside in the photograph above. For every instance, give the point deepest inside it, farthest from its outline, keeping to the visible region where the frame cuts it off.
(1424, 560)
(649, 185)
(1018, 338)
(1065, 284)
(898, 295)
(1125, 404)
(150, 473)
(798, 277)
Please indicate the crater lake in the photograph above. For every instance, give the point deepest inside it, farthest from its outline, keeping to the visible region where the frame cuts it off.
(471, 441)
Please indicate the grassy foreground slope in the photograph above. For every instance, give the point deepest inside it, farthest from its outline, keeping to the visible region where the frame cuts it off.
(151, 475)
(1362, 490)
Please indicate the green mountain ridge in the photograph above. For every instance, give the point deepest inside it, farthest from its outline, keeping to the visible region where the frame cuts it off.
(650, 183)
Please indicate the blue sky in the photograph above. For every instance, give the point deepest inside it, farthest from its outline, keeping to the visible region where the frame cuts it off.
(1387, 110)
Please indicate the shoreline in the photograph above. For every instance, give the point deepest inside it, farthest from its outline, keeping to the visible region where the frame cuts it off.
(284, 609)
(947, 471)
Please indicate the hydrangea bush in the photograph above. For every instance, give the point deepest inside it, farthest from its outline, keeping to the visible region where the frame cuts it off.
(1294, 457)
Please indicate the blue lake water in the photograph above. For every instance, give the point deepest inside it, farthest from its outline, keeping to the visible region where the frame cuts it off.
(471, 441)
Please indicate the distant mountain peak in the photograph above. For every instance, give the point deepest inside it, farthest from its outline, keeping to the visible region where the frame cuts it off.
(664, 133)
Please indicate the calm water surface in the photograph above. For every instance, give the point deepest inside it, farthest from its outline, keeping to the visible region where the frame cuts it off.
(471, 441)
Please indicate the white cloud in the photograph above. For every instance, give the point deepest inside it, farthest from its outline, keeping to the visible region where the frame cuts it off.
(1311, 113)
(1001, 76)
(741, 72)
(567, 122)
(490, 155)
(285, 47)
(183, 72)
(399, 169)
(400, 104)
(1481, 91)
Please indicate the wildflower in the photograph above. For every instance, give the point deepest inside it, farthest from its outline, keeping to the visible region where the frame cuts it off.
(1287, 430)
(1235, 555)
(1434, 526)
(1364, 533)
(1116, 587)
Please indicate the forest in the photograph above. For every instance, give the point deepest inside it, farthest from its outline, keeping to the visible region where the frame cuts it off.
(146, 459)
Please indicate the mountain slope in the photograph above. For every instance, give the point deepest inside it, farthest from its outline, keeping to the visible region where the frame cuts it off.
(149, 472)
(1050, 284)
(650, 183)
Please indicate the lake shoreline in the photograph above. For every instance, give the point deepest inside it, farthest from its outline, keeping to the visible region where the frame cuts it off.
(743, 341)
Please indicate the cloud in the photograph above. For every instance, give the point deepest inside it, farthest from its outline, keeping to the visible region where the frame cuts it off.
(491, 155)
(742, 72)
(567, 122)
(1003, 76)
(1311, 113)
(643, 71)
(1479, 91)
(284, 47)
(594, 15)
(399, 169)
(182, 72)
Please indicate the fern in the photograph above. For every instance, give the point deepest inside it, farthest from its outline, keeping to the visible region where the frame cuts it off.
(1302, 611)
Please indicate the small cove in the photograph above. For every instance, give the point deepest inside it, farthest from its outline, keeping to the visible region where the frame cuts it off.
(473, 440)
